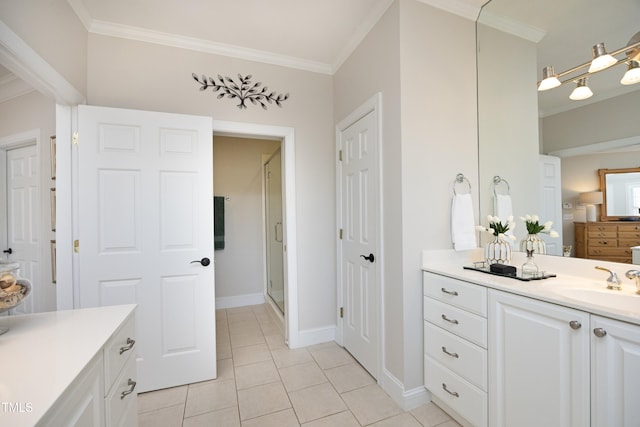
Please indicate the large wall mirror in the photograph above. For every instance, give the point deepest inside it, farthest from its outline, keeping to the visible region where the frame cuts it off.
(517, 123)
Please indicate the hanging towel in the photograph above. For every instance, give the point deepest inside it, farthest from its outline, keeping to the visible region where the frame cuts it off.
(463, 226)
(218, 222)
(502, 206)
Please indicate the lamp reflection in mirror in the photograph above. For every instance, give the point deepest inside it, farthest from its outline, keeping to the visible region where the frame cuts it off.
(632, 76)
(590, 199)
(581, 91)
(601, 59)
(549, 79)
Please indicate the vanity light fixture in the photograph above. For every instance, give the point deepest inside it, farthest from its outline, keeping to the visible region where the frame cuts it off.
(549, 79)
(632, 76)
(601, 61)
(581, 91)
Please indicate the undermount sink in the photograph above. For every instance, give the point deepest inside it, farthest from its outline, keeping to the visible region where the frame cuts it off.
(621, 300)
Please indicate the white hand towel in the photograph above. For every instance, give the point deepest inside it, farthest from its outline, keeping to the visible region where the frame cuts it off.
(503, 207)
(463, 226)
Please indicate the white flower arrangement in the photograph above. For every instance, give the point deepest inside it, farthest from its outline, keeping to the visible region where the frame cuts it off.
(532, 222)
(499, 228)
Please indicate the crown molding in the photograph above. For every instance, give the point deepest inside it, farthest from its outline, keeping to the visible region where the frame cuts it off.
(191, 43)
(13, 87)
(458, 7)
(511, 26)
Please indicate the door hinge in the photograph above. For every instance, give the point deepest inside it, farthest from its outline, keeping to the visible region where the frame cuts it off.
(340, 155)
(340, 234)
(341, 312)
(76, 246)
(74, 138)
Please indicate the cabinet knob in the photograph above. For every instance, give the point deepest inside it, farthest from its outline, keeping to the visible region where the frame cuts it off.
(575, 324)
(599, 332)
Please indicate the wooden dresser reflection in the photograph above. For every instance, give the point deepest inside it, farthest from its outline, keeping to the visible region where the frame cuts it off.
(607, 241)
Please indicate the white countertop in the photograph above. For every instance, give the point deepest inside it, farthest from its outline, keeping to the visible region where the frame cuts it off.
(42, 354)
(573, 276)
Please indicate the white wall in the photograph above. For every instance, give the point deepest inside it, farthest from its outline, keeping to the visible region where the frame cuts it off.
(237, 174)
(429, 134)
(26, 113)
(130, 74)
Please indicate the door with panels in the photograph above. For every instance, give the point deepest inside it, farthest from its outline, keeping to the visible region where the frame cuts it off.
(145, 235)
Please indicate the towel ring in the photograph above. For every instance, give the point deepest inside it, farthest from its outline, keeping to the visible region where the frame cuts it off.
(497, 181)
(460, 178)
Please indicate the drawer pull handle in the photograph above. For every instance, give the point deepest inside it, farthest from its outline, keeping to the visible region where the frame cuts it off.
(454, 293)
(454, 321)
(130, 344)
(444, 350)
(125, 393)
(452, 393)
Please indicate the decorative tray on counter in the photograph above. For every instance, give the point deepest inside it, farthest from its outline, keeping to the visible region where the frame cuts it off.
(484, 268)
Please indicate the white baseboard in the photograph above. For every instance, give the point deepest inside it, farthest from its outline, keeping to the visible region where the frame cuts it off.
(311, 336)
(240, 300)
(406, 399)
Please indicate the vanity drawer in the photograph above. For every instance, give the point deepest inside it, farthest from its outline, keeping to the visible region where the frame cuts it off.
(461, 396)
(118, 351)
(610, 251)
(456, 292)
(462, 323)
(465, 359)
(123, 410)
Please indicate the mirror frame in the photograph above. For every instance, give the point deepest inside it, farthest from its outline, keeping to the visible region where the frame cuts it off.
(603, 187)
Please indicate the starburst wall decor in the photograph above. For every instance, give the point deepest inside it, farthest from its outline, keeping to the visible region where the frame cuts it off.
(243, 91)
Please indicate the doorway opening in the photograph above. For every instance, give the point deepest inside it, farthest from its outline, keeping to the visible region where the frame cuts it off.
(284, 138)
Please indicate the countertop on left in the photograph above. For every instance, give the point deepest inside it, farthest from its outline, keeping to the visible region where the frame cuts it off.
(42, 354)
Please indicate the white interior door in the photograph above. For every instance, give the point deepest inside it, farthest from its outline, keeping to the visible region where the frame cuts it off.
(551, 200)
(23, 216)
(145, 186)
(359, 219)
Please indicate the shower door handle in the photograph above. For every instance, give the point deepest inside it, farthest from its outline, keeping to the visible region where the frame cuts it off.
(278, 225)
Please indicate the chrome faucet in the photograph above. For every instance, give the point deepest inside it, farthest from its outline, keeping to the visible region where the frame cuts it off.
(613, 281)
(634, 274)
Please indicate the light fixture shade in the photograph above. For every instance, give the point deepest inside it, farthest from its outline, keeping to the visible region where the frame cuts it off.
(549, 79)
(601, 59)
(632, 76)
(581, 91)
(590, 198)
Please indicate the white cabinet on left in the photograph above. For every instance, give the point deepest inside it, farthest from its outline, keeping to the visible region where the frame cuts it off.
(79, 369)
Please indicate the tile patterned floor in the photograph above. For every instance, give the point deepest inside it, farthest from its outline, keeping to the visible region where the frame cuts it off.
(263, 383)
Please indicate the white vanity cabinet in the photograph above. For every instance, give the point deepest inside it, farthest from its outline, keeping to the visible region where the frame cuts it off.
(538, 363)
(455, 346)
(615, 373)
(80, 369)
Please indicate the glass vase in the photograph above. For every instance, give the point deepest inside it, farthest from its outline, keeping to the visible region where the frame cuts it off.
(498, 251)
(534, 243)
(529, 268)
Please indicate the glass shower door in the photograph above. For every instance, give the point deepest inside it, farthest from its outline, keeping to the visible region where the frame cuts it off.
(274, 249)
